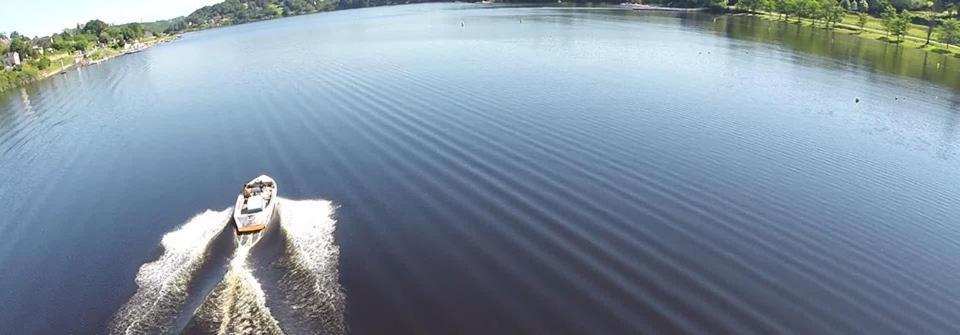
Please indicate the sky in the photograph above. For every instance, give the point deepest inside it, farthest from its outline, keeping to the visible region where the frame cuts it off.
(45, 17)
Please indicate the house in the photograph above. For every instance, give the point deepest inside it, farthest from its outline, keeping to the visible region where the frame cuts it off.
(11, 60)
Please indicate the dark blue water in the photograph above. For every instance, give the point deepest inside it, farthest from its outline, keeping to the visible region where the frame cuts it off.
(583, 171)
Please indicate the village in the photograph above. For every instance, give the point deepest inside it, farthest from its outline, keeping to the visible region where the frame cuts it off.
(26, 60)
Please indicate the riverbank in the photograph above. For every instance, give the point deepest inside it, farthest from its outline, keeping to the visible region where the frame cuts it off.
(642, 7)
(915, 36)
(60, 63)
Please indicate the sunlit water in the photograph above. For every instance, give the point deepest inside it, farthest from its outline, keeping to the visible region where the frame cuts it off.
(577, 171)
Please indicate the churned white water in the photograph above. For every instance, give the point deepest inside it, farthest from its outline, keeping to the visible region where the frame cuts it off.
(238, 305)
(310, 261)
(162, 284)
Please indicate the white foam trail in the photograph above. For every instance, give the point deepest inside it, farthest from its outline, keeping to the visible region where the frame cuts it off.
(311, 258)
(162, 284)
(238, 305)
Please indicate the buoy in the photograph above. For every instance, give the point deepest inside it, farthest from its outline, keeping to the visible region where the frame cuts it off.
(858, 100)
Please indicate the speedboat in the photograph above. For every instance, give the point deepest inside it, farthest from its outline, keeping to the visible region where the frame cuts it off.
(256, 205)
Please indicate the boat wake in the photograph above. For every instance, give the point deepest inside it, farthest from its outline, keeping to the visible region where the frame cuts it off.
(299, 292)
(309, 264)
(237, 305)
(162, 284)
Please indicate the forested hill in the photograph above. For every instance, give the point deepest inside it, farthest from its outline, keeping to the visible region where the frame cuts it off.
(240, 11)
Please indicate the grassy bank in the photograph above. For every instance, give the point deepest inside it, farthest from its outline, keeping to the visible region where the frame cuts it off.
(57, 62)
(10, 79)
(915, 37)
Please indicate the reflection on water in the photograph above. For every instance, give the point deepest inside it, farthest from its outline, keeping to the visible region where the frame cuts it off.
(845, 50)
(26, 100)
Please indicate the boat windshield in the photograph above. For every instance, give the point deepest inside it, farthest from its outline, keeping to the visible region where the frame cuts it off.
(254, 205)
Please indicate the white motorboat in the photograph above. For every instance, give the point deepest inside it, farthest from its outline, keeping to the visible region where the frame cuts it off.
(256, 205)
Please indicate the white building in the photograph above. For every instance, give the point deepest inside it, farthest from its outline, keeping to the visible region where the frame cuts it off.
(11, 60)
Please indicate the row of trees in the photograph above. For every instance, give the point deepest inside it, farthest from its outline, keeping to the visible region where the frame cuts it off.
(96, 32)
(23, 46)
(83, 38)
(831, 12)
(873, 7)
(950, 32)
(34, 52)
(894, 23)
(18, 43)
(240, 11)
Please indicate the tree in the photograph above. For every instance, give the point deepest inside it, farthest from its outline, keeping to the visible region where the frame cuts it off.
(797, 8)
(785, 7)
(809, 9)
(717, 5)
(950, 32)
(900, 24)
(94, 27)
(749, 5)
(876, 7)
(889, 17)
(21, 45)
(43, 63)
(831, 12)
(133, 31)
(953, 8)
(753, 5)
(861, 20)
(931, 24)
(768, 5)
(83, 45)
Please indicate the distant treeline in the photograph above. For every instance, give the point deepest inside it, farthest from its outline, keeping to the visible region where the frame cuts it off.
(242, 11)
(35, 54)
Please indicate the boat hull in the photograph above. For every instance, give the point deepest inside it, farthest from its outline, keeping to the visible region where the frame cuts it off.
(263, 200)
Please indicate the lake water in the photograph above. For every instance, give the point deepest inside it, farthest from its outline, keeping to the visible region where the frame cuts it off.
(460, 169)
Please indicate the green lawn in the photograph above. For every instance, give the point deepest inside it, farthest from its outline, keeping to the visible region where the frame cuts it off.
(916, 35)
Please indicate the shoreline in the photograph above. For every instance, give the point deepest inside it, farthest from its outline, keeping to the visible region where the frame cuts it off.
(76, 62)
(86, 61)
(868, 33)
(642, 7)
